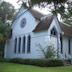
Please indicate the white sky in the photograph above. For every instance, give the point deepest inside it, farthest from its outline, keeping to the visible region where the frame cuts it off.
(13, 2)
(16, 5)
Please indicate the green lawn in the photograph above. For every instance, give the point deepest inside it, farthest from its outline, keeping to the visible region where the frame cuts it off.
(10, 67)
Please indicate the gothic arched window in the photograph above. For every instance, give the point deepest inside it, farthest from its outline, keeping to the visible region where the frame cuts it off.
(28, 44)
(19, 45)
(15, 45)
(23, 44)
(61, 41)
(53, 31)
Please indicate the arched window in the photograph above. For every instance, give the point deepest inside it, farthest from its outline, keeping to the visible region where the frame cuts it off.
(53, 31)
(69, 46)
(15, 45)
(28, 44)
(23, 44)
(61, 41)
(19, 45)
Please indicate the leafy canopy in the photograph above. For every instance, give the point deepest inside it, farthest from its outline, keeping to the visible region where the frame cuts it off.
(58, 6)
(6, 11)
(5, 30)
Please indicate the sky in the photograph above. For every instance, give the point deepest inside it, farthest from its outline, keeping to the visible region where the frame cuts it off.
(14, 3)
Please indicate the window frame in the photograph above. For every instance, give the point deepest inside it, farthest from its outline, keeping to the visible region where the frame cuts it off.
(15, 45)
(23, 44)
(61, 41)
(29, 44)
(53, 31)
(19, 45)
(69, 46)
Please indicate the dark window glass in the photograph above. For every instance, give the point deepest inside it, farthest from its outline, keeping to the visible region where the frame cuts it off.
(15, 45)
(28, 44)
(69, 47)
(53, 31)
(19, 45)
(61, 41)
(23, 46)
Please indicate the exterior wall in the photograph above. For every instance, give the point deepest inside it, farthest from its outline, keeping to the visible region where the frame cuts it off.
(19, 32)
(65, 54)
(57, 38)
(39, 38)
(30, 25)
(36, 38)
(43, 38)
(56, 25)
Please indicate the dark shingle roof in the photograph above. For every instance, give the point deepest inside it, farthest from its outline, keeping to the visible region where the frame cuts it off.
(44, 24)
(36, 14)
(66, 29)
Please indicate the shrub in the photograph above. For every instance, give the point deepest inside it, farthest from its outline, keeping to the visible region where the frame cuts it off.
(38, 62)
(50, 53)
(4, 60)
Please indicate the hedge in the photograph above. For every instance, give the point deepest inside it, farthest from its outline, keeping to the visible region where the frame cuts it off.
(39, 62)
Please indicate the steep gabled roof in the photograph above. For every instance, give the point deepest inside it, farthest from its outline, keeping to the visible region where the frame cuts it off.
(36, 14)
(44, 24)
(66, 29)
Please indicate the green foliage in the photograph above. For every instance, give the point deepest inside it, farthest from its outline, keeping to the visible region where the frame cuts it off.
(49, 53)
(49, 1)
(5, 30)
(58, 6)
(6, 11)
(1, 50)
(38, 62)
(4, 60)
(67, 17)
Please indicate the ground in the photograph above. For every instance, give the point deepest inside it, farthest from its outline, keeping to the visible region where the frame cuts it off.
(10, 67)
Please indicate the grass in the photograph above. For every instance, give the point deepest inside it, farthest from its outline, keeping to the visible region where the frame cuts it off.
(10, 67)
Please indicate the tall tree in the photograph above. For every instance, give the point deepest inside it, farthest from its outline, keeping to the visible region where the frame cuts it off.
(6, 11)
(57, 6)
(5, 31)
(67, 17)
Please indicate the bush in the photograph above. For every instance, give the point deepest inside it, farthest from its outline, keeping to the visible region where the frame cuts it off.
(4, 60)
(50, 53)
(38, 62)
